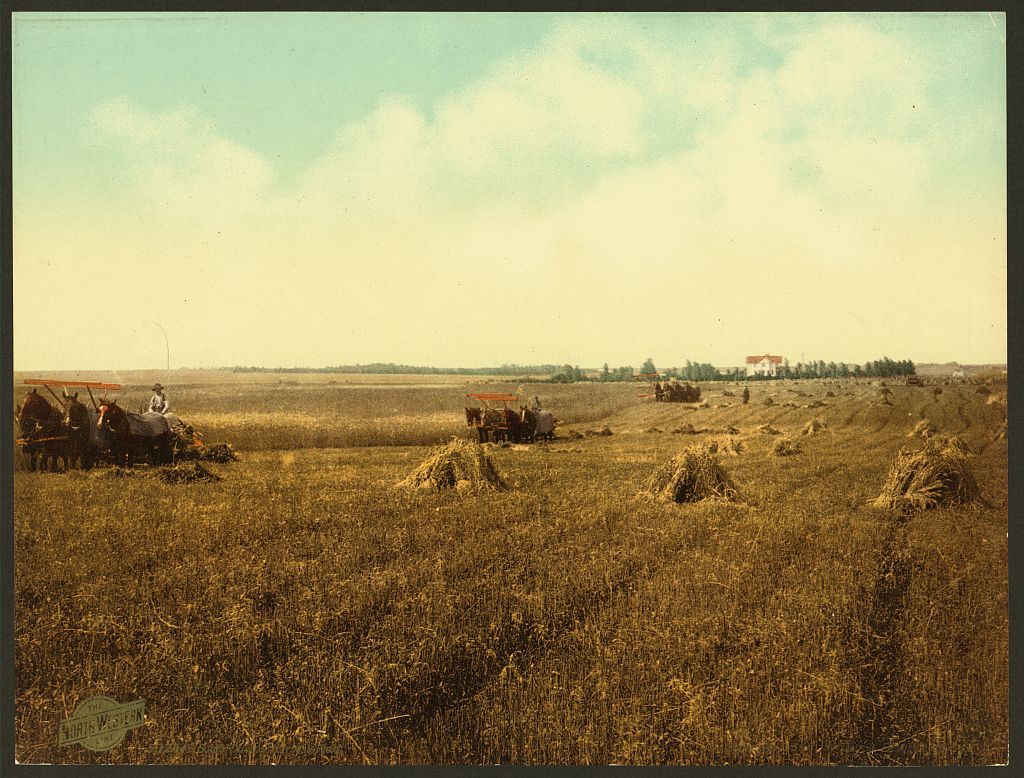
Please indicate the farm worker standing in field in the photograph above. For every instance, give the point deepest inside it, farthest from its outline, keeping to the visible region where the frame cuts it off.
(658, 392)
(746, 394)
(158, 402)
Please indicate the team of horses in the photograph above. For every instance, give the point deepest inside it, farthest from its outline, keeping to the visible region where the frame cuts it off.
(505, 424)
(78, 436)
(671, 392)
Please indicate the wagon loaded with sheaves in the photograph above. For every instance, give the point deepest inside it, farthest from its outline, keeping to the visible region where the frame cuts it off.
(669, 391)
(503, 423)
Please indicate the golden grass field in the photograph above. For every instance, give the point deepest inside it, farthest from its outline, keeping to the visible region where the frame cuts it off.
(304, 610)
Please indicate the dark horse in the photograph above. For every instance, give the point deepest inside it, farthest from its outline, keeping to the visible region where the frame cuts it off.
(513, 423)
(84, 437)
(474, 418)
(148, 435)
(42, 427)
(536, 424)
(502, 424)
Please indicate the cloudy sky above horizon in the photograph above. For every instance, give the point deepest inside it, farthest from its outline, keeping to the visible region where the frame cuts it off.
(475, 189)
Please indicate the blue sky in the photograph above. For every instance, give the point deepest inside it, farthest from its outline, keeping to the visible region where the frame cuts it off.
(475, 189)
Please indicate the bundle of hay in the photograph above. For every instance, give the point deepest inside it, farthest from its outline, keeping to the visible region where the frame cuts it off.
(830, 393)
(785, 447)
(921, 480)
(686, 429)
(727, 393)
(219, 452)
(692, 476)
(954, 442)
(604, 431)
(768, 429)
(815, 404)
(923, 429)
(731, 430)
(461, 465)
(184, 473)
(769, 401)
(788, 405)
(994, 399)
(650, 430)
(729, 446)
(574, 435)
(814, 426)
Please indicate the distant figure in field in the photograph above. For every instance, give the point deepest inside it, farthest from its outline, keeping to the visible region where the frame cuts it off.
(659, 393)
(158, 403)
(535, 404)
(746, 394)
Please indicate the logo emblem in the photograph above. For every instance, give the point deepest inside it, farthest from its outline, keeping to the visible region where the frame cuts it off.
(100, 723)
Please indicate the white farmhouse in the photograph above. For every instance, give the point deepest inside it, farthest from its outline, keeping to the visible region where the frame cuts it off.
(765, 365)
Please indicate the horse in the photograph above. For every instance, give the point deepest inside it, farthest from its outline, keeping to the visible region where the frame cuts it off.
(513, 423)
(493, 421)
(85, 439)
(474, 418)
(536, 424)
(42, 426)
(527, 424)
(147, 434)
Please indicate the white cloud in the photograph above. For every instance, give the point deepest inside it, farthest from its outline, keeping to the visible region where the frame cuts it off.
(183, 165)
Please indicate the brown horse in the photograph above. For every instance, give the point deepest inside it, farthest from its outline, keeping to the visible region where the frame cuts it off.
(84, 438)
(474, 418)
(42, 427)
(513, 423)
(147, 435)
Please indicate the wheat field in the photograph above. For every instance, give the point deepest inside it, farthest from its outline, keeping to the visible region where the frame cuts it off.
(306, 610)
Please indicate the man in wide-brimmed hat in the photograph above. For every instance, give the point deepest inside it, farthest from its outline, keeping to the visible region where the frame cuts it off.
(158, 402)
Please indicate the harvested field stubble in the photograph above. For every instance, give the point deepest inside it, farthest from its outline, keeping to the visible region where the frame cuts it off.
(558, 623)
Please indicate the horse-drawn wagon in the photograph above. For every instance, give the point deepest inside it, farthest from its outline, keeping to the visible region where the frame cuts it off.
(83, 436)
(504, 423)
(670, 391)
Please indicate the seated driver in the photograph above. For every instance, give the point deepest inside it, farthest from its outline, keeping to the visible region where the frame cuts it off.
(158, 403)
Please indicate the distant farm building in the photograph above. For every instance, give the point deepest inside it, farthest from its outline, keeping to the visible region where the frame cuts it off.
(763, 365)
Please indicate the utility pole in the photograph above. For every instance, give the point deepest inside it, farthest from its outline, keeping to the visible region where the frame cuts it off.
(167, 345)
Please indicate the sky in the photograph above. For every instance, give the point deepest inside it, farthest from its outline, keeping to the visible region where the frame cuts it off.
(312, 189)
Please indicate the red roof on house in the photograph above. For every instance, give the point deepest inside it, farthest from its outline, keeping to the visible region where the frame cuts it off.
(769, 357)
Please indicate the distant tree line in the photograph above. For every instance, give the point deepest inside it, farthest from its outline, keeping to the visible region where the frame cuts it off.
(704, 371)
(879, 368)
(569, 374)
(390, 368)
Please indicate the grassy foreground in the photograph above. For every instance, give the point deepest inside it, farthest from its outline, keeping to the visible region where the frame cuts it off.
(303, 610)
